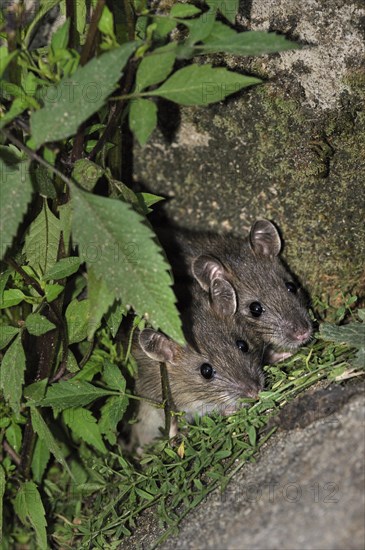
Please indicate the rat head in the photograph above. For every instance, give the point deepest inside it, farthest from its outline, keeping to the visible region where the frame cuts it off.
(203, 381)
(252, 284)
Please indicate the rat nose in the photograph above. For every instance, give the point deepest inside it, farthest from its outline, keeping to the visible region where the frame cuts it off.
(302, 335)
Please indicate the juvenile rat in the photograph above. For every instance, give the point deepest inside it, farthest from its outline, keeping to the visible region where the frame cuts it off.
(246, 279)
(212, 372)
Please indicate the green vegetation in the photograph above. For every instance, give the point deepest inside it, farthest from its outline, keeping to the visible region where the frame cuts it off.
(76, 257)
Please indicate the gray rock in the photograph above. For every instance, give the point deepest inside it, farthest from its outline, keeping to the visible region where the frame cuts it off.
(306, 490)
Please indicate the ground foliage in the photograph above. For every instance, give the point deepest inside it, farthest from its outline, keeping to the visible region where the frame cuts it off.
(76, 257)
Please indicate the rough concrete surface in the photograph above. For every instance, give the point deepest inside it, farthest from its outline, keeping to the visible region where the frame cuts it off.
(291, 150)
(304, 492)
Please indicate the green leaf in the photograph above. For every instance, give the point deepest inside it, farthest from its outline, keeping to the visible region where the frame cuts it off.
(100, 299)
(156, 66)
(45, 434)
(2, 492)
(224, 39)
(202, 85)
(38, 324)
(44, 182)
(59, 39)
(36, 391)
(16, 192)
(149, 199)
(79, 96)
(42, 241)
(77, 318)
(106, 22)
(72, 393)
(251, 432)
(65, 219)
(87, 173)
(83, 425)
(17, 107)
(3, 281)
(352, 334)
(113, 377)
(7, 333)
(144, 494)
(5, 58)
(125, 250)
(111, 414)
(29, 508)
(63, 268)
(11, 297)
(200, 27)
(164, 26)
(52, 291)
(12, 374)
(72, 364)
(184, 10)
(115, 316)
(228, 8)
(361, 314)
(13, 435)
(40, 460)
(142, 119)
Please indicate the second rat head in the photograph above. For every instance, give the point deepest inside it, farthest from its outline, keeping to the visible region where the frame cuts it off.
(246, 279)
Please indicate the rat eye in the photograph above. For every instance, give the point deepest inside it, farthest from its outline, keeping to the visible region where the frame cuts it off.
(242, 345)
(291, 287)
(256, 309)
(206, 371)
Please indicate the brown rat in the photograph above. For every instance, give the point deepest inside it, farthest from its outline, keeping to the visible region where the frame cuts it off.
(212, 372)
(246, 279)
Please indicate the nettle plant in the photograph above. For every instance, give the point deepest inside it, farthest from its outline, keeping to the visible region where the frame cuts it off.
(77, 252)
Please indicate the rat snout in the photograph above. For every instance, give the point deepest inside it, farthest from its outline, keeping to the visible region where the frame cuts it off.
(302, 335)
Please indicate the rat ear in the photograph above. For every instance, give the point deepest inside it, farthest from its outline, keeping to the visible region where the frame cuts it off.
(265, 239)
(205, 269)
(157, 346)
(223, 297)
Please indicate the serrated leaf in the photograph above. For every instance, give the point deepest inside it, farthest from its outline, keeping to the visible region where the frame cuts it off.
(77, 319)
(72, 393)
(142, 119)
(13, 435)
(184, 10)
(38, 324)
(15, 194)
(100, 299)
(63, 268)
(72, 364)
(202, 85)
(126, 250)
(112, 413)
(79, 96)
(11, 298)
(12, 374)
(228, 8)
(40, 460)
(52, 291)
(155, 66)
(42, 241)
(352, 334)
(115, 316)
(113, 377)
(83, 424)
(87, 173)
(29, 508)
(44, 182)
(44, 433)
(37, 390)
(7, 333)
(224, 39)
